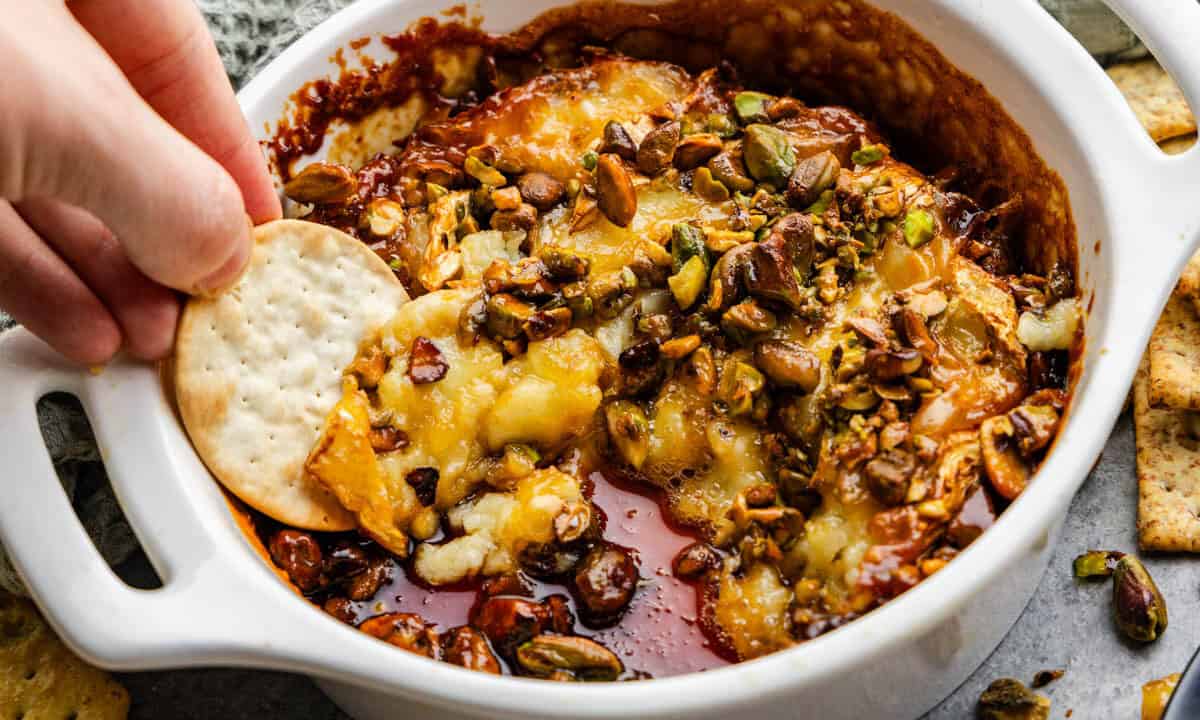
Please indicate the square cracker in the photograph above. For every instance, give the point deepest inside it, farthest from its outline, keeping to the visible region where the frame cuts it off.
(1155, 98)
(1189, 282)
(40, 679)
(1168, 471)
(1178, 145)
(1175, 356)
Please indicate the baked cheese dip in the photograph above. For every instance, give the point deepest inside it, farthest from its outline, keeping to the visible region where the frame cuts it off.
(690, 373)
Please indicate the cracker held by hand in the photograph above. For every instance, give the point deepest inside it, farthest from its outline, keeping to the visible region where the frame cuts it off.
(1155, 98)
(40, 679)
(1168, 470)
(259, 368)
(1175, 356)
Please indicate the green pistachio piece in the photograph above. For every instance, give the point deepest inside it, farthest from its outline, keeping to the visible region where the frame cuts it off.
(918, 228)
(728, 170)
(629, 431)
(822, 203)
(506, 315)
(1009, 699)
(687, 241)
(740, 383)
(574, 187)
(433, 191)
(751, 107)
(517, 461)
(483, 172)
(768, 154)
(720, 241)
(867, 155)
(589, 160)
(722, 125)
(612, 292)
(687, 284)
(708, 187)
(1096, 563)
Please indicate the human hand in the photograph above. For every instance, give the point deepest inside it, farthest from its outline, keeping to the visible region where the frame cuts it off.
(127, 172)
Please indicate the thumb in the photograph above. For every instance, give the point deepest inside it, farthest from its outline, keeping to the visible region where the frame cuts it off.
(84, 136)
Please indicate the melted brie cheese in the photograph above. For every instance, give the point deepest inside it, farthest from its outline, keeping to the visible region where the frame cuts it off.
(482, 403)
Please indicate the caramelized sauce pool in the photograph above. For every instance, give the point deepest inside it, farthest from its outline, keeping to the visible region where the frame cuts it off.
(660, 633)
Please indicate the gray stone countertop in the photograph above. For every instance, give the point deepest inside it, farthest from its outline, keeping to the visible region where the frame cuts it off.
(1067, 625)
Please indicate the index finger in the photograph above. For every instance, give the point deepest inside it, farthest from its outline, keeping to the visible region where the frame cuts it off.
(165, 51)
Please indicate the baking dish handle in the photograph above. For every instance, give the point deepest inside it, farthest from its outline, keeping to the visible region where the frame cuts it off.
(1157, 214)
(1169, 28)
(108, 622)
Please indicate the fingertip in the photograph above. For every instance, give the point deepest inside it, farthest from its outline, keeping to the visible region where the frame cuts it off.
(95, 341)
(234, 266)
(150, 327)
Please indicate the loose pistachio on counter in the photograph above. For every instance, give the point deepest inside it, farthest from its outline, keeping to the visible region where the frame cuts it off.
(1009, 699)
(1138, 606)
(1097, 563)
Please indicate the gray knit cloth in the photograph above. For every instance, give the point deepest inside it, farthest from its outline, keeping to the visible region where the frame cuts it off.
(249, 33)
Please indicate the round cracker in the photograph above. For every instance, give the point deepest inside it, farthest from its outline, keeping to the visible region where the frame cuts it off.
(259, 367)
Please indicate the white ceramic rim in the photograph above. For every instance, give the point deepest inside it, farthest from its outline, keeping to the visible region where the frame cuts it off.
(239, 614)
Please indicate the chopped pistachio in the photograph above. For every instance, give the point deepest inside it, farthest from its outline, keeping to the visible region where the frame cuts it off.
(687, 241)
(384, 217)
(708, 187)
(612, 292)
(720, 241)
(918, 228)
(1009, 699)
(748, 318)
(508, 198)
(576, 657)
(1096, 563)
(722, 125)
(740, 383)
(751, 107)
(822, 203)
(687, 284)
(322, 183)
(868, 154)
(614, 190)
(589, 160)
(483, 172)
(435, 192)
(539, 190)
(617, 141)
(516, 462)
(768, 154)
(658, 148)
(680, 347)
(729, 171)
(1138, 607)
(812, 177)
(695, 150)
(629, 431)
(506, 315)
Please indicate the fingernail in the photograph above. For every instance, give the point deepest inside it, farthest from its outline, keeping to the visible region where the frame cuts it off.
(229, 273)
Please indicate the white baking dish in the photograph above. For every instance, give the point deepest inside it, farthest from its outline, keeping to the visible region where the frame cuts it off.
(1137, 220)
